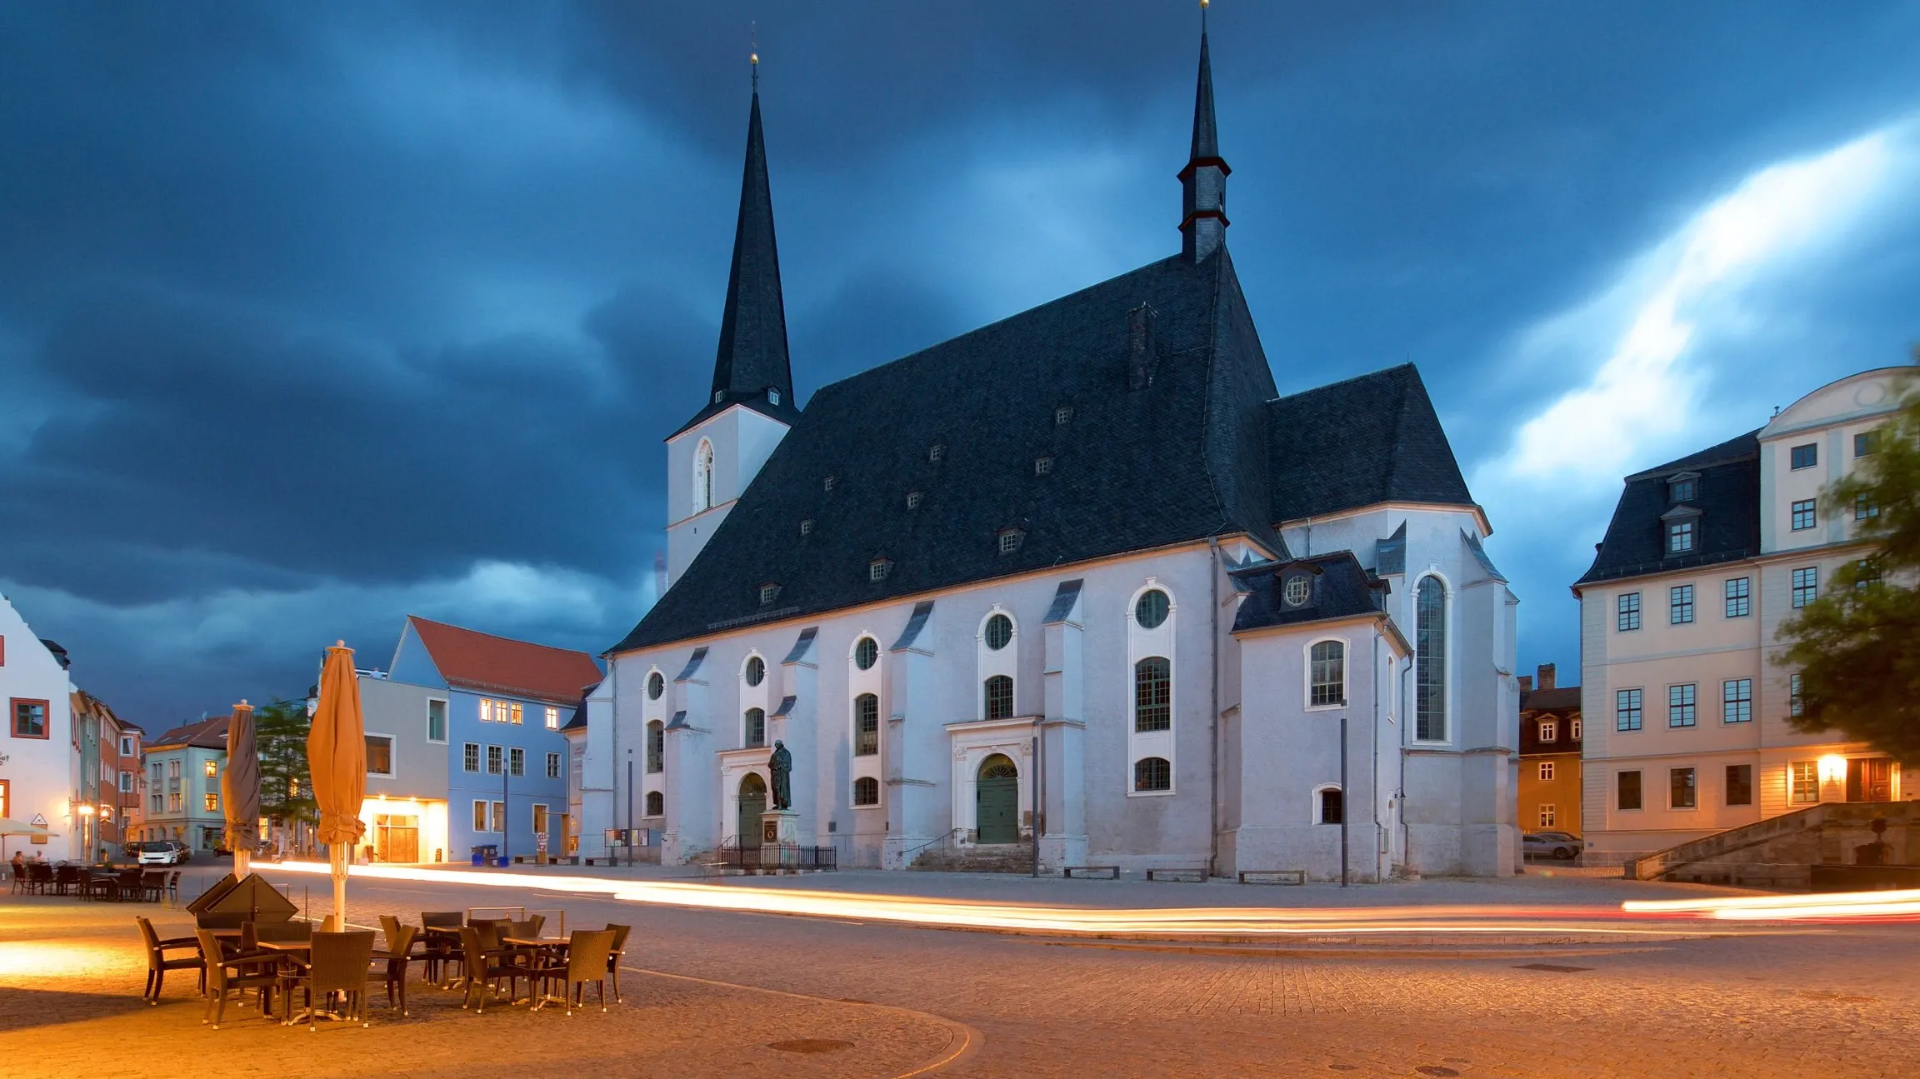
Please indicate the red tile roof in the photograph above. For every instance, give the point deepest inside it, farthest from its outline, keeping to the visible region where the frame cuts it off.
(483, 661)
(202, 733)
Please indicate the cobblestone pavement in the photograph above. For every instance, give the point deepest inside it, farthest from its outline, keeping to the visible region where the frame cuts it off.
(1826, 1003)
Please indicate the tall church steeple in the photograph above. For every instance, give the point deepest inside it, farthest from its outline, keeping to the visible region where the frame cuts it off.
(1203, 183)
(752, 364)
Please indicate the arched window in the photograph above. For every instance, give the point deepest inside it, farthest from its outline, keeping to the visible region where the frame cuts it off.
(656, 804)
(656, 685)
(703, 477)
(756, 671)
(866, 725)
(756, 728)
(1330, 806)
(1327, 674)
(1152, 774)
(866, 791)
(656, 746)
(999, 697)
(999, 631)
(1151, 608)
(1152, 695)
(866, 653)
(1430, 661)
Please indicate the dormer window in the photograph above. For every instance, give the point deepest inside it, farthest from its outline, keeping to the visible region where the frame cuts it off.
(769, 593)
(913, 499)
(806, 527)
(936, 453)
(1063, 415)
(1682, 537)
(1010, 540)
(1684, 487)
(829, 482)
(773, 396)
(1296, 590)
(717, 395)
(1042, 465)
(878, 569)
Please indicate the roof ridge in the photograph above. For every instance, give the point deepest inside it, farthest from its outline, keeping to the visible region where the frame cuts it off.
(1342, 382)
(495, 636)
(1701, 458)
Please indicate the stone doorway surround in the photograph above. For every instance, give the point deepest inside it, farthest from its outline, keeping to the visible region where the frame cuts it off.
(736, 765)
(973, 742)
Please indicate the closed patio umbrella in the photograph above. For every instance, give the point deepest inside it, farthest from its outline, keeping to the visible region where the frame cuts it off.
(240, 789)
(337, 764)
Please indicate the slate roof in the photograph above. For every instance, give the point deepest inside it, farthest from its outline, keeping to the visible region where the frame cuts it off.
(1367, 440)
(1342, 588)
(1729, 504)
(482, 661)
(1183, 458)
(753, 325)
(200, 733)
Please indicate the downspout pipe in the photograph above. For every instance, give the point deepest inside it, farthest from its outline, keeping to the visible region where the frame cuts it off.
(1373, 784)
(1213, 708)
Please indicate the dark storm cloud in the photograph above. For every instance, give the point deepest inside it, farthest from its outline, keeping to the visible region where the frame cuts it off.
(310, 315)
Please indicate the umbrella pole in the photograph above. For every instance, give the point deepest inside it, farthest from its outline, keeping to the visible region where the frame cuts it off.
(240, 864)
(337, 854)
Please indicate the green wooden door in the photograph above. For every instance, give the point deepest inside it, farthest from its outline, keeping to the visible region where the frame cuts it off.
(753, 802)
(998, 801)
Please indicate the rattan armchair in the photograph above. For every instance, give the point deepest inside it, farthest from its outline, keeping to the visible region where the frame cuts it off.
(588, 955)
(398, 954)
(486, 965)
(158, 964)
(338, 963)
(233, 972)
(616, 954)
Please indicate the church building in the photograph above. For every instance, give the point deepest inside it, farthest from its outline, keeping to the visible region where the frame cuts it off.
(1082, 578)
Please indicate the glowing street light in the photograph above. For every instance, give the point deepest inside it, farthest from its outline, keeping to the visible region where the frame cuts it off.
(1833, 768)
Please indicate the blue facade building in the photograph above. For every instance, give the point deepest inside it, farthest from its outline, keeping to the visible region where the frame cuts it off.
(506, 760)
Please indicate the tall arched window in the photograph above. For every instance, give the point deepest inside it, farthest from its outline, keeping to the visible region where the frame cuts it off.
(656, 804)
(1152, 774)
(756, 728)
(1327, 674)
(999, 697)
(703, 477)
(656, 746)
(1430, 661)
(866, 725)
(1152, 695)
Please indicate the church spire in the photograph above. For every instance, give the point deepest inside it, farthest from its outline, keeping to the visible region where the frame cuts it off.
(752, 363)
(1203, 183)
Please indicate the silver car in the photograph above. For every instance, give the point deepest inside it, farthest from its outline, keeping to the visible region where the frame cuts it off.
(164, 852)
(1561, 846)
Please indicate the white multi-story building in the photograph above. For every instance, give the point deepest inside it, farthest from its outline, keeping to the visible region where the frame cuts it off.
(1686, 708)
(1082, 577)
(40, 777)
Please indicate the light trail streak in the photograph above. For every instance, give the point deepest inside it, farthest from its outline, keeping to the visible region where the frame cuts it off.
(1838, 906)
(1041, 918)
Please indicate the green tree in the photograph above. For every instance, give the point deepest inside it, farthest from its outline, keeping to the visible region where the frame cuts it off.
(286, 791)
(1857, 647)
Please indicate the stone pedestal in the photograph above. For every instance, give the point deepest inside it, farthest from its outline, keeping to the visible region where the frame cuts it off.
(781, 828)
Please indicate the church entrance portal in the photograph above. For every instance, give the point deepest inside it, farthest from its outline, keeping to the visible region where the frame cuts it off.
(753, 802)
(998, 805)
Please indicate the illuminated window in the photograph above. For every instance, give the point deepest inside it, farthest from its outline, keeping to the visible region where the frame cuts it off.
(866, 791)
(379, 755)
(553, 719)
(212, 802)
(866, 725)
(211, 768)
(479, 816)
(1152, 695)
(1803, 777)
(999, 697)
(1327, 674)
(486, 710)
(1152, 774)
(513, 711)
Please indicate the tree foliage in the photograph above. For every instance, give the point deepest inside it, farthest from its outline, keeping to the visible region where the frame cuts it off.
(1857, 646)
(286, 791)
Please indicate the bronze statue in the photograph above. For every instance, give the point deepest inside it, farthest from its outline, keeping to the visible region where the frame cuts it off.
(781, 763)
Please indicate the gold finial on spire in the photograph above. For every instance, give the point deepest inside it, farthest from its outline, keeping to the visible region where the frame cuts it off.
(753, 57)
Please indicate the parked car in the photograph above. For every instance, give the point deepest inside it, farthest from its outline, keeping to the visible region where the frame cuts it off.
(164, 852)
(1559, 845)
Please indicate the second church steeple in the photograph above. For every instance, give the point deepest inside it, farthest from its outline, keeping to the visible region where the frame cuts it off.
(1203, 183)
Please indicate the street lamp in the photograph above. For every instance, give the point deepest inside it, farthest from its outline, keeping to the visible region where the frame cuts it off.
(1833, 769)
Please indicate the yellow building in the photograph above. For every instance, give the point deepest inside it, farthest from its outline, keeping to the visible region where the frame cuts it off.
(1549, 754)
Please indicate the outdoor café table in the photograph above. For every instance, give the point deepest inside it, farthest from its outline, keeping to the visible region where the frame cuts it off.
(449, 934)
(289, 973)
(544, 949)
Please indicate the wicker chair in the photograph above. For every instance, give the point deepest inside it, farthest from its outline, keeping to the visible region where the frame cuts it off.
(234, 972)
(153, 886)
(588, 954)
(485, 967)
(397, 956)
(443, 950)
(22, 878)
(158, 964)
(338, 963)
(618, 952)
(66, 878)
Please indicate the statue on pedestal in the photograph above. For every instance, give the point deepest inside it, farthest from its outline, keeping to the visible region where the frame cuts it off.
(781, 764)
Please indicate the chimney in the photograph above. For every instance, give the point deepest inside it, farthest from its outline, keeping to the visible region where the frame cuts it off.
(1142, 353)
(1526, 684)
(1546, 676)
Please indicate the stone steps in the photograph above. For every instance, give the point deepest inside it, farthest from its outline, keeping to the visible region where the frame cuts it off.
(997, 858)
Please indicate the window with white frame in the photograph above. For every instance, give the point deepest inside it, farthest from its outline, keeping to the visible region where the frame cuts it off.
(703, 477)
(496, 760)
(1627, 611)
(499, 817)
(1330, 806)
(379, 755)
(1327, 674)
(1546, 771)
(470, 756)
(656, 804)
(436, 720)
(753, 731)
(516, 761)
(1796, 703)
(1739, 592)
(1152, 774)
(1803, 781)
(1430, 661)
(999, 697)
(1736, 700)
(1152, 695)
(1573, 729)
(999, 632)
(866, 653)
(866, 791)
(1681, 702)
(656, 747)
(1680, 604)
(866, 725)
(552, 718)
(1548, 816)
(480, 817)
(553, 766)
(1682, 791)
(1549, 730)
(756, 670)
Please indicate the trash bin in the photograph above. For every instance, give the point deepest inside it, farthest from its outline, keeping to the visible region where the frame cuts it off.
(484, 853)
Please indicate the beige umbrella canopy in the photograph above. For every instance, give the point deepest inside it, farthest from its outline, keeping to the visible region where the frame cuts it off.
(240, 789)
(11, 827)
(337, 764)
